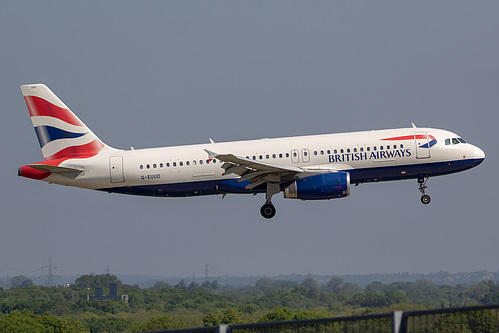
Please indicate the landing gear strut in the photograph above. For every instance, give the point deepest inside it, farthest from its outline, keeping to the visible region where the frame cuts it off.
(425, 198)
(268, 210)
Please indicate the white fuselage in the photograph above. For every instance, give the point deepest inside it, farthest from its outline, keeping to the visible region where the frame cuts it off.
(376, 155)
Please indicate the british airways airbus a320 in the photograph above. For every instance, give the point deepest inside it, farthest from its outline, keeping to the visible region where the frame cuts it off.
(315, 167)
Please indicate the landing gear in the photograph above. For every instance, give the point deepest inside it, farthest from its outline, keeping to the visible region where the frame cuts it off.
(268, 210)
(425, 198)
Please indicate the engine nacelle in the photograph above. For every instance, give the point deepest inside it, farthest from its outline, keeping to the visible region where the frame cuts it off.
(320, 187)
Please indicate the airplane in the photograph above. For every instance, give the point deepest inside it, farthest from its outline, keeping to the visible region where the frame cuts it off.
(314, 167)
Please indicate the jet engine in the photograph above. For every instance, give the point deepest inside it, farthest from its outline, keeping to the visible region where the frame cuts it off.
(320, 187)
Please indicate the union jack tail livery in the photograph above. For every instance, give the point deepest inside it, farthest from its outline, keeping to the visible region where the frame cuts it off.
(60, 133)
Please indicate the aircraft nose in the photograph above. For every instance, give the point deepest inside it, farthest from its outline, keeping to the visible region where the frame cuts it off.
(478, 153)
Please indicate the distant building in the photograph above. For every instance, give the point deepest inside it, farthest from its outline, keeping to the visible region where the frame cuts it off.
(113, 294)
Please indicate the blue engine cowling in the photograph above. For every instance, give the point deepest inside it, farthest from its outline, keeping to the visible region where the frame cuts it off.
(320, 187)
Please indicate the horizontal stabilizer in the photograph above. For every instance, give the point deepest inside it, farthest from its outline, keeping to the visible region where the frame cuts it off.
(56, 169)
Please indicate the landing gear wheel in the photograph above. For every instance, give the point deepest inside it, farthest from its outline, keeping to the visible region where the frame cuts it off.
(425, 199)
(268, 211)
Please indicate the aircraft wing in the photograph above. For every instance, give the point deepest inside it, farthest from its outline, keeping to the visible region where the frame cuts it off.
(257, 172)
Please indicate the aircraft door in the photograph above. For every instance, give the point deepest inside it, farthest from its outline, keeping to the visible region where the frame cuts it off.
(116, 169)
(294, 156)
(422, 145)
(305, 155)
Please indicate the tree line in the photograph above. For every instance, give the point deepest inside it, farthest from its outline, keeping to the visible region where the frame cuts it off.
(163, 306)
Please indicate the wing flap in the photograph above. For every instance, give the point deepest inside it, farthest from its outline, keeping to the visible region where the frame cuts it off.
(257, 172)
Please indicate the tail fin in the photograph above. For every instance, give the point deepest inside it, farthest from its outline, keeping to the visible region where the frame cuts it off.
(60, 133)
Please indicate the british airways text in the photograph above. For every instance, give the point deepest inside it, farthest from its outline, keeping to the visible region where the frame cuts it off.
(374, 155)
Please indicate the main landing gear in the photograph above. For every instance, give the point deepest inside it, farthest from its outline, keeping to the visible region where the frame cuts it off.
(425, 198)
(268, 210)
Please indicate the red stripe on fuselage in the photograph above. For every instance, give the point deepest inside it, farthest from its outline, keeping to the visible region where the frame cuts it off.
(410, 137)
(39, 107)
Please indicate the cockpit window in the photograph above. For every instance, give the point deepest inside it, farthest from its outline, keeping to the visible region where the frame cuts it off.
(455, 141)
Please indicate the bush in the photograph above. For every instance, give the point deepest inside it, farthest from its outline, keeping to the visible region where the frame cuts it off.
(158, 323)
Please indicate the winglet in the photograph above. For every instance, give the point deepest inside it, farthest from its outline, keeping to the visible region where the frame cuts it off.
(211, 154)
(211, 140)
(413, 126)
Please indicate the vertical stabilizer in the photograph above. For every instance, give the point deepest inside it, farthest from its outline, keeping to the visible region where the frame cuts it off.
(60, 132)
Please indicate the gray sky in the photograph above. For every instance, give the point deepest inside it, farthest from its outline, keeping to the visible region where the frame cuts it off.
(147, 74)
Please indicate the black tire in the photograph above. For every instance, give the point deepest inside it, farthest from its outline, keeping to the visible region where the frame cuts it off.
(268, 211)
(425, 199)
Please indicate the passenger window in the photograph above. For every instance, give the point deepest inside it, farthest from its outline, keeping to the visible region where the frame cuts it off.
(380, 147)
(322, 152)
(341, 151)
(355, 150)
(200, 161)
(207, 161)
(148, 166)
(154, 165)
(336, 151)
(280, 155)
(348, 150)
(214, 161)
(160, 165)
(287, 154)
(368, 148)
(141, 166)
(174, 163)
(187, 163)
(361, 149)
(315, 153)
(294, 154)
(261, 157)
(387, 147)
(305, 153)
(194, 162)
(328, 152)
(181, 163)
(374, 148)
(401, 146)
(394, 146)
(267, 156)
(254, 157)
(273, 156)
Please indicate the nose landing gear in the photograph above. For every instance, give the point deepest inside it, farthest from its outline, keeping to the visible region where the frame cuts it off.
(425, 198)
